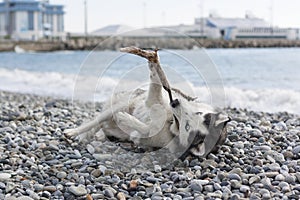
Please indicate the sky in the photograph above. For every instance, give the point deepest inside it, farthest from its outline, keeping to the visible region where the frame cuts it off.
(143, 13)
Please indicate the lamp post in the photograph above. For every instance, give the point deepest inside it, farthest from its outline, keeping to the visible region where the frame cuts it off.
(144, 14)
(202, 18)
(85, 20)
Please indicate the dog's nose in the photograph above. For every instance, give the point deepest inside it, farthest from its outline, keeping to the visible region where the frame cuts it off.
(174, 103)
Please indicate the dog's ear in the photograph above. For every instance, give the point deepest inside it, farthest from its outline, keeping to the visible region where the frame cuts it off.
(215, 120)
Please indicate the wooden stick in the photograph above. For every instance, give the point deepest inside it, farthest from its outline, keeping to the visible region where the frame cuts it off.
(152, 57)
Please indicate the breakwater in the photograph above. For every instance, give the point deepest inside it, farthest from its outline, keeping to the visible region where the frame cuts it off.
(104, 43)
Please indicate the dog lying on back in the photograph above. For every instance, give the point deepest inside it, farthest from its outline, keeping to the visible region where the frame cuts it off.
(157, 118)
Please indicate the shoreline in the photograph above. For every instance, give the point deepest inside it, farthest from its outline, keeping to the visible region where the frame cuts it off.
(260, 158)
(117, 42)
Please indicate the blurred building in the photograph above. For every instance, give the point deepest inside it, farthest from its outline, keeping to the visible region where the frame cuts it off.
(213, 27)
(249, 27)
(31, 20)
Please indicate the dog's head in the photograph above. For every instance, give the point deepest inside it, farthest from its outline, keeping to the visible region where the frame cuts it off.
(197, 124)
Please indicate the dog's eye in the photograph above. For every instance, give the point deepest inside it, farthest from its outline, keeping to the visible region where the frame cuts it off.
(187, 126)
(199, 113)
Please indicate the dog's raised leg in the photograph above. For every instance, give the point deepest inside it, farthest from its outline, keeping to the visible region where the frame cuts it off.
(157, 76)
(154, 100)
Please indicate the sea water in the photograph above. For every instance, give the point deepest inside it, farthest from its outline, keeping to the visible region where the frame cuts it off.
(257, 79)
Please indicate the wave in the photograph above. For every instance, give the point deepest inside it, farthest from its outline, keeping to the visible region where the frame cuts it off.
(47, 84)
(267, 100)
(90, 88)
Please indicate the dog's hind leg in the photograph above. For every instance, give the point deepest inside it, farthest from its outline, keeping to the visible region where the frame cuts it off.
(103, 116)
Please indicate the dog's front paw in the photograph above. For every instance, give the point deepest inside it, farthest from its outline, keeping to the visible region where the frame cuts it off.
(70, 133)
(121, 118)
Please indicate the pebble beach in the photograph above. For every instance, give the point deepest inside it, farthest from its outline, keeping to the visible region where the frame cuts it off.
(259, 160)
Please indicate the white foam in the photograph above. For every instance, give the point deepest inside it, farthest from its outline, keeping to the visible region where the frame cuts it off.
(93, 88)
(48, 84)
(268, 100)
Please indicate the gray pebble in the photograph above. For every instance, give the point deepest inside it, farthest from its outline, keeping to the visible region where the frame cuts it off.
(244, 188)
(90, 149)
(2, 185)
(38, 187)
(234, 177)
(196, 187)
(262, 148)
(286, 189)
(296, 149)
(177, 197)
(290, 179)
(217, 186)
(274, 166)
(98, 196)
(283, 184)
(279, 177)
(61, 175)
(256, 133)
(10, 187)
(110, 192)
(157, 168)
(265, 193)
(235, 184)
(102, 169)
(274, 155)
(5, 176)
(32, 194)
(24, 198)
(153, 179)
(215, 195)
(281, 126)
(78, 191)
(201, 182)
(209, 188)
(46, 194)
(50, 188)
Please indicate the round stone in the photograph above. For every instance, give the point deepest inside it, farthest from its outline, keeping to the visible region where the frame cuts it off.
(61, 175)
(279, 177)
(78, 191)
(234, 177)
(196, 187)
(235, 184)
(4, 176)
(209, 188)
(296, 149)
(157, 168)
(96, 173)
(50, 188)
(244, 188)
(290, 179)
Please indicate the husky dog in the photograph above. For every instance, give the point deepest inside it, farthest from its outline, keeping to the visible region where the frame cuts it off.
(157, 118)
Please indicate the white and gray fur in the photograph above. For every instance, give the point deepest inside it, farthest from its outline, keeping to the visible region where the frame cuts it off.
(151, 119)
